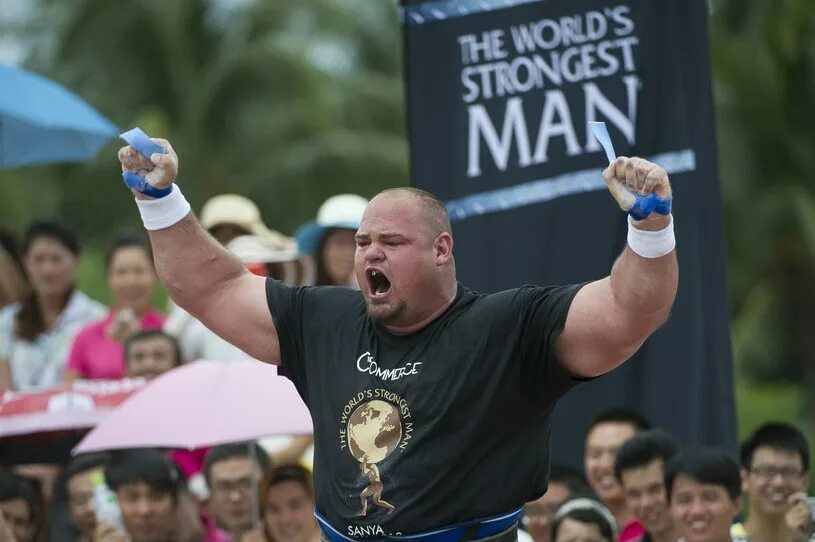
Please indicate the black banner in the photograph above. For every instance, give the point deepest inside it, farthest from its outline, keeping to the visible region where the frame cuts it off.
(499, 96)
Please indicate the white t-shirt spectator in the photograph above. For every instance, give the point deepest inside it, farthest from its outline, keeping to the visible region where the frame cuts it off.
(41, 363)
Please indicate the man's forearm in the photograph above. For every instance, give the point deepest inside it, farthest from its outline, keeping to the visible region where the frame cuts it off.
(191, 264)
(643, 289)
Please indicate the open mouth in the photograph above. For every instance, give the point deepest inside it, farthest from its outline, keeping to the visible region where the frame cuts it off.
(699, 527)
(607, 482)
(378, 283)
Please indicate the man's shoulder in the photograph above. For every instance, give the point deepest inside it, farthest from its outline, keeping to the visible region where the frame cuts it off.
(333, 295)
(520, 295)
(471, 297)
(312, 290)
(500, 308)
(311, 298)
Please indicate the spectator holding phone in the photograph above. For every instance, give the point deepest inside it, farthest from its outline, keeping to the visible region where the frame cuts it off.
(98, 351)
(775, 476)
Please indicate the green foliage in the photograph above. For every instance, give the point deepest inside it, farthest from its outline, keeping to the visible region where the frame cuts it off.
(91, 275)
(767, 153)
(764, 67)
(752, 402)
(287, 103)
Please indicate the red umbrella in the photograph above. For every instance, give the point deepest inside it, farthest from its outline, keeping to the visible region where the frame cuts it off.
(78, 405)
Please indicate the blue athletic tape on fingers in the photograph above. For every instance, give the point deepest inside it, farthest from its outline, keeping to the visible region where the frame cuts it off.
(145, 146)
(643, 205)
(134, 180)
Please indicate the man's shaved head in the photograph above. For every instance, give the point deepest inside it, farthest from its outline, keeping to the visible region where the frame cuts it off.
(404, 260)
(436, 217)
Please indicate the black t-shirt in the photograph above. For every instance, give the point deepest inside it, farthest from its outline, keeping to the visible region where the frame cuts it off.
(448, 424)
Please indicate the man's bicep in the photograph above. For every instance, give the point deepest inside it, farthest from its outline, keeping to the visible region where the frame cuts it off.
(239, 313)
(589, 343)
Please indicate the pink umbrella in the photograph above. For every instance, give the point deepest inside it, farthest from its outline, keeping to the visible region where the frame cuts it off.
(205, 403)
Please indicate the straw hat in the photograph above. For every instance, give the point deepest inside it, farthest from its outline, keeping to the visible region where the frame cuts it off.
(242, 212)
(256, 252)
(255, 249)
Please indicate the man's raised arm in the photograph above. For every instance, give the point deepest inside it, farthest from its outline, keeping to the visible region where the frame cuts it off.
(199, 274)
(611, 318)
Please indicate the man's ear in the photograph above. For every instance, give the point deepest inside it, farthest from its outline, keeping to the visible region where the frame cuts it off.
(444, 248)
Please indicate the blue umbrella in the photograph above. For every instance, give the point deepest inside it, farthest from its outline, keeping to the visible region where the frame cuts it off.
(42, 122)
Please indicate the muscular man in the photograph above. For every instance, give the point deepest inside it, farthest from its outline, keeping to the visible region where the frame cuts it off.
(374, 491)
(457, 386)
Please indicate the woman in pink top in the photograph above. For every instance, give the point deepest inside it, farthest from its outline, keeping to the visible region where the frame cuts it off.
(98, 350)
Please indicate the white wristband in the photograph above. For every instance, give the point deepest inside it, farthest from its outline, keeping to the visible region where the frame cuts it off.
(651, 244)
(161, 213)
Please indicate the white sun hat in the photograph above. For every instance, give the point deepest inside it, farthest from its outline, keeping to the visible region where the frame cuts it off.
(342, 211)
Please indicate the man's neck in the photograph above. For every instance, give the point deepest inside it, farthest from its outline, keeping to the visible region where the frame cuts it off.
(397, 329)
(766, 527)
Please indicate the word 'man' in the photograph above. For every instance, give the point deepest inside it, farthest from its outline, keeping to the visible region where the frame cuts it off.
(555, 122)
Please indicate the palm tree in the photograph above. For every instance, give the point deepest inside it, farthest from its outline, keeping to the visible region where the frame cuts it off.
(286, 102)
